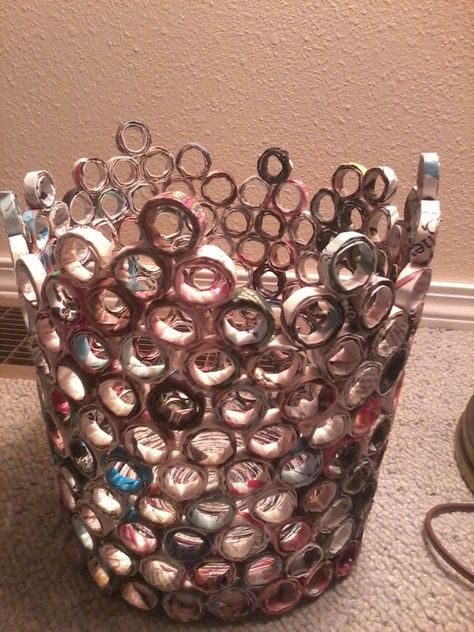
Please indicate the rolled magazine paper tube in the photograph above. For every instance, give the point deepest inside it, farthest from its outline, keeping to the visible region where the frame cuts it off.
(241, 405)
(183, 605)
(178, 211)
(286, 165)
(90, 174)
(322, 313)
(209, 446)
(124, 171)
(244, 478)
(282, 255)
(364, 381)
(238, 543)
(232, 604)
(378, 224)
(186, 544)
(254, 193)
(236, 221)
(358, 478)
(18, 247)
(295, 189)
(304, 561)
(391, 334)
(325, 206)
(91, 519)
(141, 271)
(90, 350)
(82, 457)
(347, 263)
(145, 444)
(217, 289)
(300, 469)
(116, 559)
(269, 288)
(41, 232)
(343, 355)
(246, 320)
(112, 204)
(252, 250)
(221, 180)
(140, 193)
(270, 224)
(411, 287)
(143, 358)
(119, 395)
(30, 276)
(48, 336)
(396, 241)
(71, 380)
(127, 142)
(211, 513)
(168, 321)
(174, 405)
(424, 240)
(165, 164)
(272, 441)
(59, 218)
(329, 430)
(139, 595)
(275, 506)
(427, 179)
(412, 213)
(347, 180)
(83, 245)
(12, 216)
(213, 574)
(290, 537)
(158, 510)
(125, 476)
(182, 482)
(29, 309)
(365, 416)
(280, 596)
(212, 219)
(262, 570)
(278, 367)
(111, 308)
(95, 428)
(319, 580)
(379, 184)
(163, 573)
(311, 398)
(187, 172)
(81, 206)
(39, 189)
(99, 573)
(211, 365)
(137, 537)
(373, 304)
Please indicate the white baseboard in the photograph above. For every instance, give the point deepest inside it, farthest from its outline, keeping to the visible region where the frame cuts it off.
(447, 305)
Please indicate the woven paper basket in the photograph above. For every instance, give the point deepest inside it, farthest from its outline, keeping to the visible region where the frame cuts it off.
(218, 366)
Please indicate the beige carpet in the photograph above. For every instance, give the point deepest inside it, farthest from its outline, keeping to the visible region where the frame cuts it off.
(398, 584)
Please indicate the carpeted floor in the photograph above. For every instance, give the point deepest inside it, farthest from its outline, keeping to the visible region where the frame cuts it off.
(397, 585)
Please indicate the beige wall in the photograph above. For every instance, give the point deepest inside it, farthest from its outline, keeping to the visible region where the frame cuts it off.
(328, 80)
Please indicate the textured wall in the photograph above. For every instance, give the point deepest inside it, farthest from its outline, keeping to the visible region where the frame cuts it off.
(330, 81)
